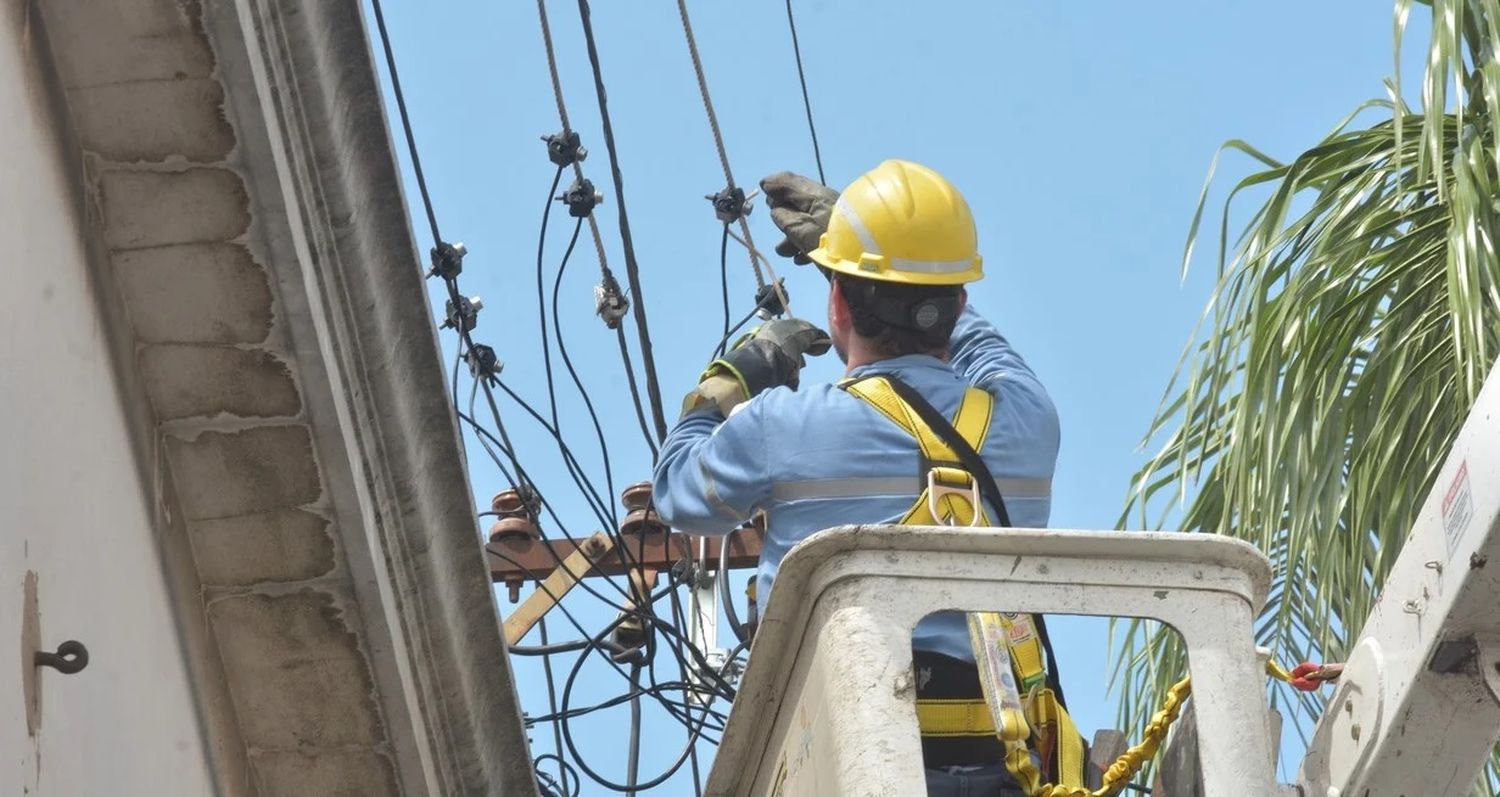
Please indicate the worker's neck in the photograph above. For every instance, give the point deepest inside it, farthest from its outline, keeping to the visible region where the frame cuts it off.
(861, 354)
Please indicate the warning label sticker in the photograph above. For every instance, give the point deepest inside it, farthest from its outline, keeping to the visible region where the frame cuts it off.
(1458, 508)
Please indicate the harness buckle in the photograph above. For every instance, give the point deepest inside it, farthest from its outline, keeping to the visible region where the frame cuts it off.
(937, 490)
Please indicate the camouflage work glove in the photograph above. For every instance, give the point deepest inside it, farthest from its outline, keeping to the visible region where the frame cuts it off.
(800, 208)
(770, 357)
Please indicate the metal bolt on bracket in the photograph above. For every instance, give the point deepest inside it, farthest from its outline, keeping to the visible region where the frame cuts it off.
(581, 198)
(768, 299)
(447, 260)
(609, 303)
(483, 363)
(731, 204)
(563, 148)
(465, 314)
(630, 633)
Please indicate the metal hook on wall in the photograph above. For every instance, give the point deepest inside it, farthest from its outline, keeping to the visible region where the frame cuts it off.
(71, 657)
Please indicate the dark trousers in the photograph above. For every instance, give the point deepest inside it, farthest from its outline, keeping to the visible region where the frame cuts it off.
(959, 766)
(989, 781)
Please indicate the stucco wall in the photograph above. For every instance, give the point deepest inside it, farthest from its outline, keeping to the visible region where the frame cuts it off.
(74, 487)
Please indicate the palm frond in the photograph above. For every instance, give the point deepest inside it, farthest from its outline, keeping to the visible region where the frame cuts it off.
(1348, 335)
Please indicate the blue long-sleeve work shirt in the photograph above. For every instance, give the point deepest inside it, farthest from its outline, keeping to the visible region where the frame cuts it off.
(818, 457)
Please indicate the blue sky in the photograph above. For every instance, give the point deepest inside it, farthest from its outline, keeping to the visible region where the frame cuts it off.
(1081, 134)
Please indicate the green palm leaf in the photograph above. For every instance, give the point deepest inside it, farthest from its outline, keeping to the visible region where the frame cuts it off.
(1354, 321)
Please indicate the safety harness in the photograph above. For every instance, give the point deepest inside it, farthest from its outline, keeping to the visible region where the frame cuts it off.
(1020, 704)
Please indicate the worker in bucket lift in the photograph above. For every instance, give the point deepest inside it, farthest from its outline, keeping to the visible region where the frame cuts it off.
(928, 383)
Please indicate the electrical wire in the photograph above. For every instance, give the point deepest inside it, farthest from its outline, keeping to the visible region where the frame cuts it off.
(604, 508)
(756, 261)
(550, 648)
(519, 478)
(617, 700)
(632, 269)
(635, 394)
(562, 113)
(791, 23)
(598, 642)
(607, 277)
(729, 334)
(626, 610)
(557, 739)
(696, 729)
(678, 617)
(633, 756)
(726, 598)
(695, 708)
(411, 139)
(724, 286)
(590, 493)
(567, 783)
(485, 438)
(588, 402)
(683, 712)
(672, 707)
(573, 774)
(693, 736)
(695, 732)
(541, 297)
(574, 469)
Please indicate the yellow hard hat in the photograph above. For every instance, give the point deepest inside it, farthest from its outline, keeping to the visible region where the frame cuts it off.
(902, 222)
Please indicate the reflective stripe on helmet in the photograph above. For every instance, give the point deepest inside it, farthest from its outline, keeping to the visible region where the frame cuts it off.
(866, 240)
(932, 266)
(872, 247)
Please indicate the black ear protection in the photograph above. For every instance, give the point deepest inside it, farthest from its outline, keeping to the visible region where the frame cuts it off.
(920, 316)
(928, 313)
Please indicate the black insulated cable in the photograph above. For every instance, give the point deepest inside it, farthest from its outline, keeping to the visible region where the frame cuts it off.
(633, 758)
(724, 287)
(632, 269)
(726, 596)
(557, 740)
(588, 401)
(635, 393)
(730, 189)
(411, 139)
(562, 113)
(604, 508)
(695, 708)
(791, 23)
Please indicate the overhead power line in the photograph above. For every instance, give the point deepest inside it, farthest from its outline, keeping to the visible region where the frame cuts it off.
(756, 259)
(632, 269)
(411, 139)
(609, 287)
(791, 23)
(562, 112)
(688, 690)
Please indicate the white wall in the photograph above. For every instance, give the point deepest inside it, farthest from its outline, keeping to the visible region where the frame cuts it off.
(74, 504)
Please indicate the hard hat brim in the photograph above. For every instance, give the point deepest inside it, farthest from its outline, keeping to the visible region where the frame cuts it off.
(882, 272)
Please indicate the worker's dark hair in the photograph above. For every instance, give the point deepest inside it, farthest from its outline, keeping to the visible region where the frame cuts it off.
(901, 319)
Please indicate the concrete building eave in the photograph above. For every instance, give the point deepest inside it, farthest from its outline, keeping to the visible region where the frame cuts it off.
(266, 308)
(425, 579)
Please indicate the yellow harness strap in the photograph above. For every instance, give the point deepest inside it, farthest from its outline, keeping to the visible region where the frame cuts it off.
(950, 489)
(937, 717)
(1007, 648)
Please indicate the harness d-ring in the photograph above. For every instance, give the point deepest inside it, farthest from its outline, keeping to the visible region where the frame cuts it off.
(937, 490)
